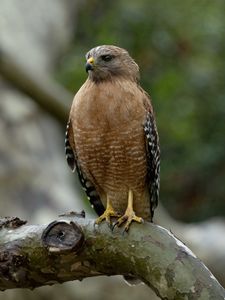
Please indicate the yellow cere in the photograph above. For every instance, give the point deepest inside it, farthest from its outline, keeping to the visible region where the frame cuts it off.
(90, 60)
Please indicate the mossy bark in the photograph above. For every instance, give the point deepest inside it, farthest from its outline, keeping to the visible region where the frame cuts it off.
(73, 248)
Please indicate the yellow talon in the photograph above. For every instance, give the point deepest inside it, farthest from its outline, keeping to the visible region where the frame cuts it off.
(129, 215)
(108, 213)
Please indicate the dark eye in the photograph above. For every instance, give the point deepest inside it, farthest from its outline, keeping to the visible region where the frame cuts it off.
(107, 57)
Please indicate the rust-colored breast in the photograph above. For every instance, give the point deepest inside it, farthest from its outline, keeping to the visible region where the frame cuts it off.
(107, 122)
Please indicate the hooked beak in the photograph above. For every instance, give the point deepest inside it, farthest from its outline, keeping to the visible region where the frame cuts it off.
(90, 64)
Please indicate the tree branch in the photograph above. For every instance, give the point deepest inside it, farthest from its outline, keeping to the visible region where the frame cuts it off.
(52, 97)
(204, 238)
(73, 248)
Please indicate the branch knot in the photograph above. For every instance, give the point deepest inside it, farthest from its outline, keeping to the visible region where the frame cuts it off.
(63, 236)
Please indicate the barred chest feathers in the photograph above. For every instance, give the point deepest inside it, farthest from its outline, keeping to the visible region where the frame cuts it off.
(108, 129)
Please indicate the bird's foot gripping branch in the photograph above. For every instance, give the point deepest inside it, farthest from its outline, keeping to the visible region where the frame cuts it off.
(73, 248)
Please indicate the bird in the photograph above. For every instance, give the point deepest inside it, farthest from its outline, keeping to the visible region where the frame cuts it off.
(112, 139)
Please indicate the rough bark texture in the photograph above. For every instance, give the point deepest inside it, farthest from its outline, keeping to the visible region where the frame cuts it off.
(73, 248)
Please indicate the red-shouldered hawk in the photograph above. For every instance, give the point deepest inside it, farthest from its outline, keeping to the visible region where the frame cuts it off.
(112, 139)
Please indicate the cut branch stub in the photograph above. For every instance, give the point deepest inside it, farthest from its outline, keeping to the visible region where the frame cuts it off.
(11, 222)
(63, 236)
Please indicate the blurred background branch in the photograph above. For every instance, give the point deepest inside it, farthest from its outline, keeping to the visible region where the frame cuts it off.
(47, 93)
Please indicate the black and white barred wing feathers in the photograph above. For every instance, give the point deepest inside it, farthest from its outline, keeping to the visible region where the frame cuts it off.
(73, 162)
(69, 146)
(153, 160)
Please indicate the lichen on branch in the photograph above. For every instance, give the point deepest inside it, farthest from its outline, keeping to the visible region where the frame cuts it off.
(72, 247)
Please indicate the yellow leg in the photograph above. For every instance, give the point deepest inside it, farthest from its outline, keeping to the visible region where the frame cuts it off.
(108, 213)
(129, 215)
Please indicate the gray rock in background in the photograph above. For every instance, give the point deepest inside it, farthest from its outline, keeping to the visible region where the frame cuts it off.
(35, 182)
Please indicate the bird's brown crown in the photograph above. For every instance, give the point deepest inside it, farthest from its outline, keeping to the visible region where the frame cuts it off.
(107, 62)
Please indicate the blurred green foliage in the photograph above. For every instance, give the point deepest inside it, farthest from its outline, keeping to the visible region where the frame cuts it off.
(180, 48)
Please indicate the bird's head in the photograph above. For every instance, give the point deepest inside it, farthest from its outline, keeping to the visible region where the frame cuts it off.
(107, 61)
